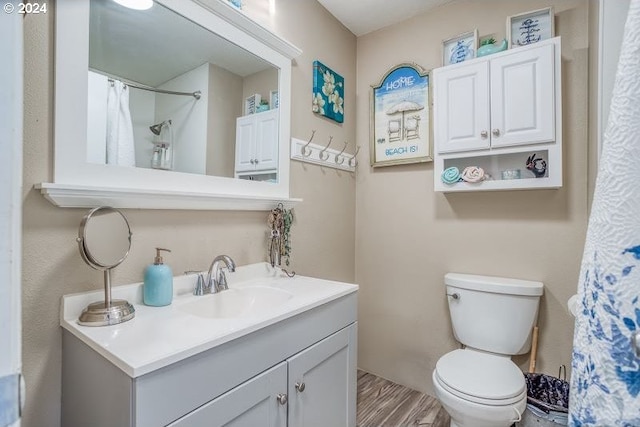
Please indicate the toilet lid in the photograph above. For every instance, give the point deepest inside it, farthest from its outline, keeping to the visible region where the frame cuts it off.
(481, 375)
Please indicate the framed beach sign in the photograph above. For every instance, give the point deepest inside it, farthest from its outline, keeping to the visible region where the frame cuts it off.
(460, 48)
(400, 123)
(328, 92)
(530, 27)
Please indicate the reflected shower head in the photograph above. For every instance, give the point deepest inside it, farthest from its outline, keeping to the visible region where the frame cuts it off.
(157, 128)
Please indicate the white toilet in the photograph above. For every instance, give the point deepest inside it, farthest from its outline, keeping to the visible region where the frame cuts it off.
(479, 386)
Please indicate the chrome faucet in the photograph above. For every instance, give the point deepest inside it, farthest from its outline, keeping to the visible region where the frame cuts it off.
(216, 279)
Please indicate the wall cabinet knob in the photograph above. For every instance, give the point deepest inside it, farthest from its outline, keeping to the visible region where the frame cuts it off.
(282, 399)
(496, 132)
(256, 160)
(300, 387)
(251, 161)
(484, 134)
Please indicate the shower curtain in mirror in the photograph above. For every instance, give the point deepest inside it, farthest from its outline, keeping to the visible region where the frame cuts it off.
(120, 145)
(605, 383)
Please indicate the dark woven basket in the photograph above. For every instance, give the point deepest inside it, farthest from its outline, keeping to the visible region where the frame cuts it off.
(547, 393)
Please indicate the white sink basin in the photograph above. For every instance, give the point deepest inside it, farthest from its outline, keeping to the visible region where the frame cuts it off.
(248, 301)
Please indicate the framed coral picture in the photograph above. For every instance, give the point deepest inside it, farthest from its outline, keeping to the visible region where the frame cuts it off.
(328, 92)
(400, 122)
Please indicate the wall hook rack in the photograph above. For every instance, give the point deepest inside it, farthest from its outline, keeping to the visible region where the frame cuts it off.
(308, 152)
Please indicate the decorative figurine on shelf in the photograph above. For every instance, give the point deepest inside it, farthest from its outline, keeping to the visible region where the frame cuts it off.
(472, 174)
(537, 166)
(489, 46)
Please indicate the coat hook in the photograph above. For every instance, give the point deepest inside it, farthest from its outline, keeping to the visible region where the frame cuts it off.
(352, 161)
(340, 160)
(323, 151)
(303, 150)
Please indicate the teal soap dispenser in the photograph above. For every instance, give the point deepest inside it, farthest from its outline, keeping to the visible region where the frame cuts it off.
(158, 282)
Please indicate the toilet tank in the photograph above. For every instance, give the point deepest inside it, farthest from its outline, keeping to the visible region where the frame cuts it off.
(494, 314)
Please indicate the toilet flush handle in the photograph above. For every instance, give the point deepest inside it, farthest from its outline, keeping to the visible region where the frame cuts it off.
(454, 295)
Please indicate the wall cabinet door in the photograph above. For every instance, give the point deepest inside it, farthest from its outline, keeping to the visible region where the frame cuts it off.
(502, 101)
(461, 113)
(245, 143)
(523, 97)
(322, 382)
(254, 403)
(266, 154)
(257, 142)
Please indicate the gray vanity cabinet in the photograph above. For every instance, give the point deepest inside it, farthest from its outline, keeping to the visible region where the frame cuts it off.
(254, 403)
(320, 391)
(322, 382)
(238, 383)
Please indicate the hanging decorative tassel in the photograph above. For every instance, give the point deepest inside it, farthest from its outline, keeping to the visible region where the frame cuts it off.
(279, 246)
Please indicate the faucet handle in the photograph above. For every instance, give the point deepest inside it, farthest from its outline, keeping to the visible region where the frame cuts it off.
(221, 281)
(200, 288)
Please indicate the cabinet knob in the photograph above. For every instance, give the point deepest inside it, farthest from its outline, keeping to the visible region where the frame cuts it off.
(484, 134)
(252, 161)
(282, 399)
(496, 132)
(256, 160)
(300, 387)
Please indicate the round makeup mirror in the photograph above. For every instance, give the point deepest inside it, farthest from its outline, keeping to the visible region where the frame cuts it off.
(104, 240)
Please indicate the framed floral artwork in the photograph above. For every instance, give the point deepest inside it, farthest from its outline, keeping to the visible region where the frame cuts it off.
(328, 92)
(400, 122)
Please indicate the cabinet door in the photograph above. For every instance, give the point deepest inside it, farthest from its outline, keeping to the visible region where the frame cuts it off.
(251, 404)
(461, 108)
(266, 156)
(322, 382)
(523, 97)
(245, 143)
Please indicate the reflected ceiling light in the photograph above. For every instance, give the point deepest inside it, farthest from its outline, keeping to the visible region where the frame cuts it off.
(136, 4)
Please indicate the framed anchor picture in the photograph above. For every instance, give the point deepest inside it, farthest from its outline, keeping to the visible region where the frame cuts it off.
(400, 122)
(530, 27)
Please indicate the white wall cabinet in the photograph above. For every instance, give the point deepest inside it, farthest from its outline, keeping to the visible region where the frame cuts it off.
(495, 112)
(257, 142)
(255, 380)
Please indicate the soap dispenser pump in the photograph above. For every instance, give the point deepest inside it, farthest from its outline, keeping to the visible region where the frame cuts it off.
(158, 282)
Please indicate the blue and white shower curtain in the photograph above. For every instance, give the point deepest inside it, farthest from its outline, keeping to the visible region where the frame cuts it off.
(605, 383)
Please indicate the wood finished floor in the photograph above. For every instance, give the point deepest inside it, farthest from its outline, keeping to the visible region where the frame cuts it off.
(382, 403)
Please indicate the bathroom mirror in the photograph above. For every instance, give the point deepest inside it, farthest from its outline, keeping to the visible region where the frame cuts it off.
(169, 99)
(104, 241)
(80, 180)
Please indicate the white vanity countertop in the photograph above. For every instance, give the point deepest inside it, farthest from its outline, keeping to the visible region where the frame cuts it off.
(159, 336)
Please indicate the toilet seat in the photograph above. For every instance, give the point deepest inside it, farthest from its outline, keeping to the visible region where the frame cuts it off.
(481, 378)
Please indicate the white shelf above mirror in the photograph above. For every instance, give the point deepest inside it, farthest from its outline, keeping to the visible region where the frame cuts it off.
(78, 196)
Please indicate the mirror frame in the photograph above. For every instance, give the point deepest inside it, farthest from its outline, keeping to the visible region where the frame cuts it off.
(78, 183)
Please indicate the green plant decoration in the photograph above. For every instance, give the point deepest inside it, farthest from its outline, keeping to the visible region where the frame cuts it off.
(490, 40)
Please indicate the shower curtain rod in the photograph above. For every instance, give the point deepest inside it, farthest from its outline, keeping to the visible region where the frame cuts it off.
(196, 94)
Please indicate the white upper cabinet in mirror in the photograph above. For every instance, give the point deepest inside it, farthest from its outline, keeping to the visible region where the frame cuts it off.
(176, 150)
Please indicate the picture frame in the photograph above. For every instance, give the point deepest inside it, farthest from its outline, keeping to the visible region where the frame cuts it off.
(251, 104)
(530, 27)
(401, 117)
(274, 100)
(328, 92)
(460, 48)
